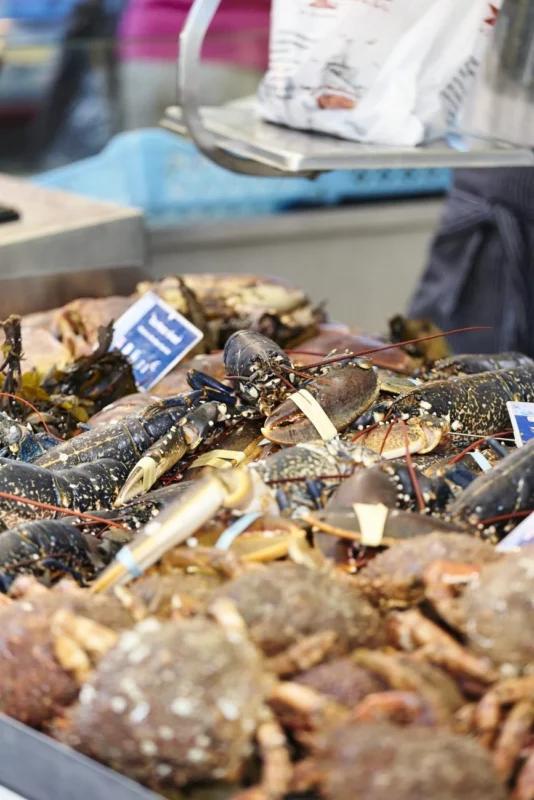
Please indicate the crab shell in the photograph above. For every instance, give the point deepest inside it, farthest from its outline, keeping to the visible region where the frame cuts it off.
(380, 761)
(172, 703)
(36, 682)
(229, 302)
(498, 609)
(395, 576)
(344, 392)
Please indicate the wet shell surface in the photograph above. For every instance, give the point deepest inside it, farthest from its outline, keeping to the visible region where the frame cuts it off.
(172, 703)
(498, 609)
(381, 761)
(395, 576)
(285, 602)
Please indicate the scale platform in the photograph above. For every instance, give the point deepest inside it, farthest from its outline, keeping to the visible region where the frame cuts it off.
(234, 136)
(238, 134)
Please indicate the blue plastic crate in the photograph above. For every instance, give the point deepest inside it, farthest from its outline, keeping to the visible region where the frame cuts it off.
(173, 183)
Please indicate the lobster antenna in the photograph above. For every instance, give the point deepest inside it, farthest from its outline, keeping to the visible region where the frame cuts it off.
(503, 517)
(411, 469)
(60, 510)
(334, 359)
(458, 457)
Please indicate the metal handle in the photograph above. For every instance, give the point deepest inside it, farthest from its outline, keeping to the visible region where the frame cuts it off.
(189, 64)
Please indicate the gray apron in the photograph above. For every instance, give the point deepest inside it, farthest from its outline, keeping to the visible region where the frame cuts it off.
(481, 264)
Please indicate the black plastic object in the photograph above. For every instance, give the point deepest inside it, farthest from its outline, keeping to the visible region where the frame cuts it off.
(37, 767)
(8, 214)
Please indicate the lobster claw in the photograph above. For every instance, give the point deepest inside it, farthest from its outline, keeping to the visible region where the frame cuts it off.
(182, 437)
(158, 459)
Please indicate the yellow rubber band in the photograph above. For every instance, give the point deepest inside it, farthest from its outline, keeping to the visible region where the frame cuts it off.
(315, 413)
(219, 458)
(372, 519)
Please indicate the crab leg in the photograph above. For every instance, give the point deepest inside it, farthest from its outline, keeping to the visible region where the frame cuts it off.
(412, 630)
(514, 735)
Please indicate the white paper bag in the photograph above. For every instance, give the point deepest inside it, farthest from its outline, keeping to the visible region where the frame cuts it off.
(384, 71)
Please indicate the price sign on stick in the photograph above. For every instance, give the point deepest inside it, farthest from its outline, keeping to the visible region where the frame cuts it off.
(154, 337)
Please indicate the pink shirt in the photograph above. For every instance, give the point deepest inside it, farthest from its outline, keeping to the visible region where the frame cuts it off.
(239, 33)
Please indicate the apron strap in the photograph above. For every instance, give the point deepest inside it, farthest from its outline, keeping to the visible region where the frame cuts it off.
(469, 213)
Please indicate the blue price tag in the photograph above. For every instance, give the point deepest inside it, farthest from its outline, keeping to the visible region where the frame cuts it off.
(154, 337)
(522, 417)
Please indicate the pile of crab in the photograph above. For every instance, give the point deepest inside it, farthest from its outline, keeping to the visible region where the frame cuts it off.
(302, 636)
(267, 680)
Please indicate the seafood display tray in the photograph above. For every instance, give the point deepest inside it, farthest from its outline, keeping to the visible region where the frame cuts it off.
(36, 767)
(235, 137)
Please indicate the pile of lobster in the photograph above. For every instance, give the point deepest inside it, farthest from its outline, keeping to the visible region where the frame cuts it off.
(287, 642)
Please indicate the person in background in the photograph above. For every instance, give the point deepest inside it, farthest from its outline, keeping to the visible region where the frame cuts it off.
(481, 264)
(76, 118)
(236, 51)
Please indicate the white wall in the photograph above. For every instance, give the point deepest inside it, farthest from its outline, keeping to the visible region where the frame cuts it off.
(364, 261)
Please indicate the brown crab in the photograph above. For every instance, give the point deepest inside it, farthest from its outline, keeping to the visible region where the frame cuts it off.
(297, 615)
(395, 577)
(490, 604)
(380, 685)
(78, 322)
(179, 702)
(49, 642)
(377, 761)
(491, 607)
(223, 303)
(176, 594)
(343, 680)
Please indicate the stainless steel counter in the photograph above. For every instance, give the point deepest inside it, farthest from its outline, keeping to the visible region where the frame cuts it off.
(61, 232)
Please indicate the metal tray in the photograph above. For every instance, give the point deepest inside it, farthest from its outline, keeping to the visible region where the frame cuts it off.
(37, 767)
(268, 149)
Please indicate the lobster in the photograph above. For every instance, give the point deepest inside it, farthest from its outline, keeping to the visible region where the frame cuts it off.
(470, 403)
(493, 499)
(471, 364)
(82, 488)
(77, 546)
(264, 374)
(47, 549)
(18, 440)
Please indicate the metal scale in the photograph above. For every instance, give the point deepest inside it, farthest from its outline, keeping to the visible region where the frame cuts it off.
(234, 137)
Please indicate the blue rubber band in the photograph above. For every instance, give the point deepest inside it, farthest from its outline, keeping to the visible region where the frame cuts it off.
(127, 559)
